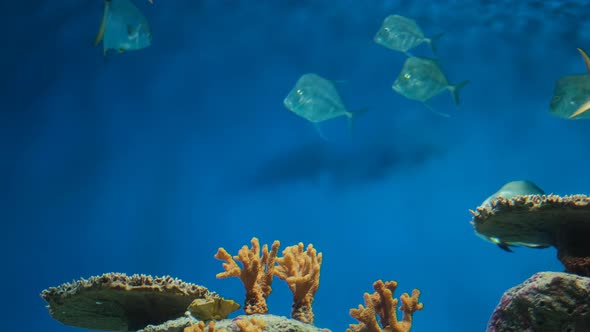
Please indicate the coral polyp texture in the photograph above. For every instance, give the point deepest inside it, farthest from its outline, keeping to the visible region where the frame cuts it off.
(382, 304)
(540, 221)
(117, 302)
(300, 268)
(547, 301)
(251, 324)
(256, 273)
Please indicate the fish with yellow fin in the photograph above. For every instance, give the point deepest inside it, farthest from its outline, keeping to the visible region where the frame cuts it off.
(571, 96)
(123, 27)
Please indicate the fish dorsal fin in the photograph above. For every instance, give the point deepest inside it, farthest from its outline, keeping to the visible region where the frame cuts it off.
(103, 24)
(586, 59)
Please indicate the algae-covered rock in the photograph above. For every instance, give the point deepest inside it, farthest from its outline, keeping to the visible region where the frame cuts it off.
(546, 302)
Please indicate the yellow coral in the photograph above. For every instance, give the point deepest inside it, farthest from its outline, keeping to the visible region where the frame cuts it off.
(200, 327)
(256, 273)
(383, 304)
(301, 270)
(251, 325)
(245, 325)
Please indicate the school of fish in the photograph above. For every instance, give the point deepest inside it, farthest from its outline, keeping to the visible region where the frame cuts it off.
(124, 28)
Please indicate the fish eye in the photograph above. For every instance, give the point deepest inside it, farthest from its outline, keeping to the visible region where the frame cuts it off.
(556, 99)
(299, 92)
(386, 29)
(408, 76)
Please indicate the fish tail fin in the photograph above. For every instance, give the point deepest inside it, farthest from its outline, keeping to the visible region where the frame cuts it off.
(352, 119)
(444, 115)
(432, 41)
(455, 90)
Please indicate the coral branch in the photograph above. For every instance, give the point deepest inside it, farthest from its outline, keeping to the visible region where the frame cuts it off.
(256, 273)
(383, 304)
(301, 270)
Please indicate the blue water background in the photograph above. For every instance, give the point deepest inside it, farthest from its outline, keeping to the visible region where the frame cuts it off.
(151, 160)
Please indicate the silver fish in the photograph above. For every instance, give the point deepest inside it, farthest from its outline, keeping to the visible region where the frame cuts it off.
(571, 96)
(123, 27)
(315, 99)
(402, 34)
(421, 79)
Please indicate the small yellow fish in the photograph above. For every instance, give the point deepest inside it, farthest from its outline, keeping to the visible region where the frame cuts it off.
(571, 96)
(402, 34)
(421, 79)
(123, 27)
(217, 308)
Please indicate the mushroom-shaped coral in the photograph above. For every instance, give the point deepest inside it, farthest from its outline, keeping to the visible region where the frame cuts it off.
(256, 273)
(540, 221)
(301, 270)
(117, 302)
(383, 304)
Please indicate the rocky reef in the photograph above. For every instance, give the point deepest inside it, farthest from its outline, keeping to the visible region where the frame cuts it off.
(117, 302)
(525, 216)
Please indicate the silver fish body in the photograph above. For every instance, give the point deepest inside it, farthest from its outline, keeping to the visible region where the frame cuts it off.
(420, 79)
(401, 34)
(124, 27)
(315, 99)
(570, 93)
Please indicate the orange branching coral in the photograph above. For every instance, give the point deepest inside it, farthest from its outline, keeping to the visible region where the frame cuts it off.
(301, 270)
(383, 304)
(256, 273)
(200, 327)
(251, 325)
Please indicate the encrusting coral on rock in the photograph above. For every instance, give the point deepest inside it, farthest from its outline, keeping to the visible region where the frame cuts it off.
(251, 324)
(301, 270)
(383, 304)
(256, 273)
(272, 323)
